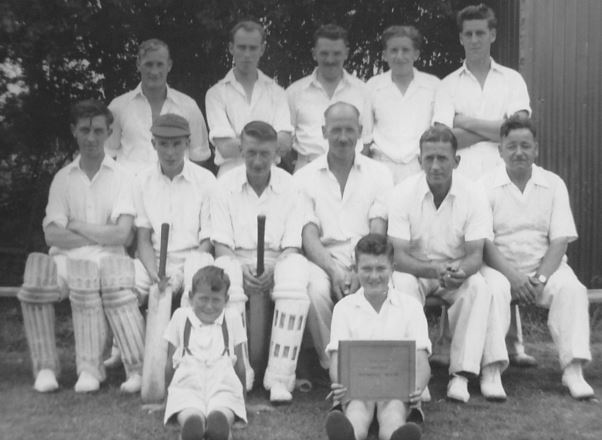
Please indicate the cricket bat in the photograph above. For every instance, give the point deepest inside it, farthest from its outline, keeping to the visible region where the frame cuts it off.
(157, 318)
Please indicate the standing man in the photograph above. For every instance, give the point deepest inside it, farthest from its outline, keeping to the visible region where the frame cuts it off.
(245, 94)
(89, 219)
(134, 112)
(310, 96)
(341, 190)
(176, 192)
(438, 222)
(242, 194)
(532, 225)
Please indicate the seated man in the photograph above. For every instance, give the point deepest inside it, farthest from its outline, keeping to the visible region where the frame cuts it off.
(173, 191)
(340, 190)
(532, 226)
(89, 219)
(377, 312)
(438, 222)
(241, 195)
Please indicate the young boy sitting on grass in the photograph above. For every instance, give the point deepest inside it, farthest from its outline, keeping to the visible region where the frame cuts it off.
(376, 311)
(205, 340)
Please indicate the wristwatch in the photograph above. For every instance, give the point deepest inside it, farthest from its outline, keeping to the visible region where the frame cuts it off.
(541, 278)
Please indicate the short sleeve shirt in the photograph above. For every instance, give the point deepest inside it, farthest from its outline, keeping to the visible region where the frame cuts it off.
(400, 119)
(130, 142)
(308, 101)
(206, 341)
(182, 202)
(525, 223)
(438, 233)
(228, 110)
(235, 207)
(401, 317)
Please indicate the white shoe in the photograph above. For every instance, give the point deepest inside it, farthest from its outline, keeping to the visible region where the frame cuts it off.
(114, 360)
(279, 394)
(457, 389)
(572, 378)
(46, 381)
(86, 383)
(132, 385)
(426, 395)
(491, 383)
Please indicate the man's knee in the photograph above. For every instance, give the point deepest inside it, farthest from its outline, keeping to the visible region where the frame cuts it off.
(497, 283)
(408, 284)
(40, 280)
(319, 288)
(291, 277)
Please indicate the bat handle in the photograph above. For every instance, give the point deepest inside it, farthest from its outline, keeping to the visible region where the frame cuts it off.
(163, 250)
(260, 243)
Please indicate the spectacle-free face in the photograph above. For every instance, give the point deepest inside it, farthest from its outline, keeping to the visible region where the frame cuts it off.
(374, 273)
(438, 160)
(246, 49)
(476, 38)
(258, 156)
(519, 150)
(208, 305)
(90, 135)
(330, 56)
(400, 55)
(154, 66)
(171, 152)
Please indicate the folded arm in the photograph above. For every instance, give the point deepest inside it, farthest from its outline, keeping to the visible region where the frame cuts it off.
(106, 235)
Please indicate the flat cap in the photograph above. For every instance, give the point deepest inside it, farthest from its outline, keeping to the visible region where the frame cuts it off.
(170, 125)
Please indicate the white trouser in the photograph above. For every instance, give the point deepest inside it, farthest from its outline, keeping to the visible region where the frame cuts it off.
(478, 159)
(568, 318)
(303, 160)
(469, 318)
(229, 164)
(400, 170)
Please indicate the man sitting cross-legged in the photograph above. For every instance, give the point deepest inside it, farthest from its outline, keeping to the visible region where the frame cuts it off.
(438, 222)
(532, 226)
(376, 311)
(88, 221)
(241, 195)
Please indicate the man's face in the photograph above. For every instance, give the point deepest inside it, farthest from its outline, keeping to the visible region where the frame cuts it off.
(330, 55)
(519, 150)
(374, 273)
(476, 37)
(171, 152)
(342, 130)
(208, 305)
(438, 162)
(400, 55)
(90, 135)
(154, 66)
(258, 156)
(246, 49)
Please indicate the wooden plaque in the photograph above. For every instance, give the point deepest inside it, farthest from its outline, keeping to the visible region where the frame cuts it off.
(378, 370)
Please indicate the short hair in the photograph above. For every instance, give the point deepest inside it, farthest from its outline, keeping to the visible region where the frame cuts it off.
(439, 133)
(402, 31)
(150, 45)
(517, 122)
(260, 130)
(476, 12)
(90, 108)
(249, 26)
(211, 276)
(331, 32)
(374, 244)
(343, 103)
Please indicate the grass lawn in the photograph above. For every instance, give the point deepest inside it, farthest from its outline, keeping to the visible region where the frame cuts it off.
(538, 406)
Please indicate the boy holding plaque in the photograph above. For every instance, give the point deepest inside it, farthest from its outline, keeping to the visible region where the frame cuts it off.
(376, 312)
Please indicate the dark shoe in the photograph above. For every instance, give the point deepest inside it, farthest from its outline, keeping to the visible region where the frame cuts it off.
(409, 431)
(218, 427)
(193, 428)
(416, 415)
(338, 427)
(523, 360)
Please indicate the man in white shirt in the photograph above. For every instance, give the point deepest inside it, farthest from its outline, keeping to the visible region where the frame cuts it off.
(135, 111)
(245, 94)
(89, 219)
(241, 195)
(173, 191)
(401, 102)
(310, 96)
(438, 222)
(341, 189)
(532, 225)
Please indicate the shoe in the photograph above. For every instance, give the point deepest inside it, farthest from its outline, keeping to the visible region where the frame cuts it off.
(491, 383)
(132, 385)
(572, 378)
(46, 381)
(426, 395)
(279, 394)
(86, 383)
(457, 389)
(409, 431)
(193, 428)
(415, 415)
(218, 427)
(338, 427)
(114, 360)
(523, 360)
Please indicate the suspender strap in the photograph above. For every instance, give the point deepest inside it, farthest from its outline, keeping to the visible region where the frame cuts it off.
(226, 337)
(188, 328)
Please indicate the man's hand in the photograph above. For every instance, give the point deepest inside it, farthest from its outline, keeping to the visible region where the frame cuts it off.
(341, 282)
(537, 288)
(415, 398)
(253, 284)
(451, 276)
(522, 288)
(337, 391)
